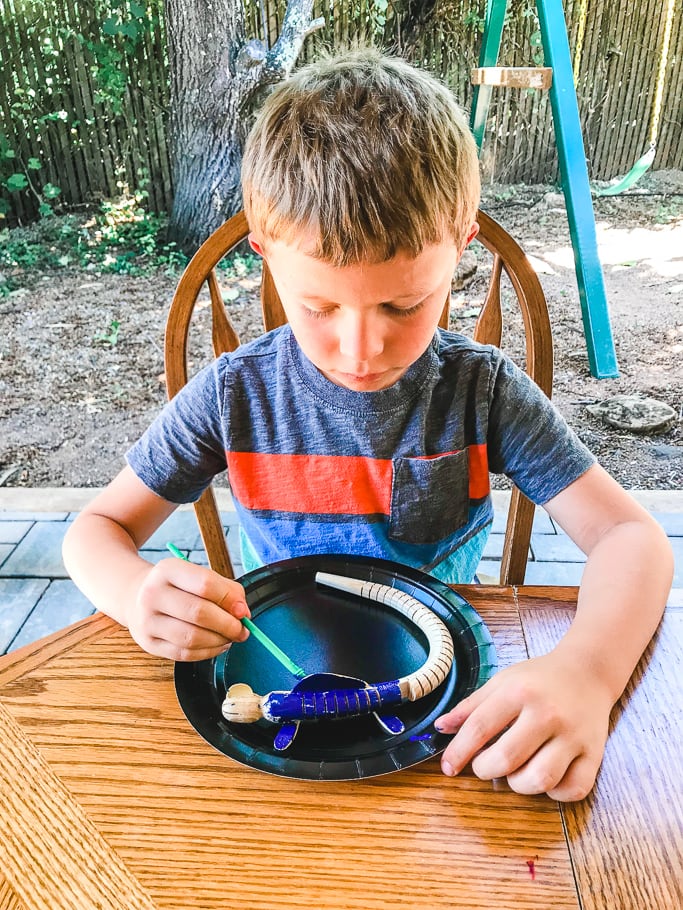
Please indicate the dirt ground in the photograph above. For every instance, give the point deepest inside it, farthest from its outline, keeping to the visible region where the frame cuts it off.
(71, 401)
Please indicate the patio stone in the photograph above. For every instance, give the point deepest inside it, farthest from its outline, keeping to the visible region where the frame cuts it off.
(557, 548)
(488, 571)
(180, 528)
(677, 547)
(34, 516)
(13, 531)
(542, 522)
(39, 554)
(18, 597)
(672, 522)
(553, 573)
(61, 605)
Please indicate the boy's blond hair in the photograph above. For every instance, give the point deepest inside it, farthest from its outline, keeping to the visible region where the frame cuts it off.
(360, 156)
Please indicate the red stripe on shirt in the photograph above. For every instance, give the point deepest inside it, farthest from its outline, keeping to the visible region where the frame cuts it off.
(478, 462)
(328, 484)
(313, 484)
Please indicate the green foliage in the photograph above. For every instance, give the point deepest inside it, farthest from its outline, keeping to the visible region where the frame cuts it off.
(120, 237)
(110, 33)
(111, 336)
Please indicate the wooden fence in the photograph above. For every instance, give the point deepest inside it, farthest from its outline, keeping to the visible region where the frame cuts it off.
(95, 142)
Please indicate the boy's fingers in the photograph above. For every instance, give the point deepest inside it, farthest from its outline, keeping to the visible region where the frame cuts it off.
(578, 780)
(485, 722)
(198, 613)
(544, 770)
(456, 717)
(510, 751)
(189, 638)
(206, 584)
(170, 651)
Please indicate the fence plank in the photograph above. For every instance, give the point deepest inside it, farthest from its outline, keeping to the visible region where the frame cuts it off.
(615, 87)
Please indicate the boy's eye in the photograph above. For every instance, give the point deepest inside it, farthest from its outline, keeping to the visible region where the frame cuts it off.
(404, 311)
(316, 314)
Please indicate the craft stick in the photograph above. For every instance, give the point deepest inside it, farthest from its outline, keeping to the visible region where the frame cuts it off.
(260, 636)
(440, 658)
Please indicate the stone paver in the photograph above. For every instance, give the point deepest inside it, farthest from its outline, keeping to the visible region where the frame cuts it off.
(555, 548)
(13, 531)
(553, 573)
(677, 547)
(18, 597)
(672, 522)
(39, 553)
(60, 605)
(33, 516)
(543, 523)
(181, 529)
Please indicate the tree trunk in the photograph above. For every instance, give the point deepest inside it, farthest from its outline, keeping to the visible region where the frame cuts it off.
(214, 72)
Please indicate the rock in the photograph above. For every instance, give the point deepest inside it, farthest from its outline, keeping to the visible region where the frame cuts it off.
(664, 451)
(465, 271)
(635, 414)
(554, 200)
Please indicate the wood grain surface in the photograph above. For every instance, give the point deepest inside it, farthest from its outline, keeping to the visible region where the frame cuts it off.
(626, 837)
(105, 785)
(70, 863)
(8, 898)
(197, 830)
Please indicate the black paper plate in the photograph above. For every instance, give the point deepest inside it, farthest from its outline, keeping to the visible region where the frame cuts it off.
(324, 630)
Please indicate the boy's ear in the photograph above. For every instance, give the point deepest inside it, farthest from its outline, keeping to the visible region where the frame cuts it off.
(474, 230)
(254, 243)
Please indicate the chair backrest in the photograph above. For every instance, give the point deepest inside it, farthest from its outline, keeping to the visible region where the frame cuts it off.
(507, 255)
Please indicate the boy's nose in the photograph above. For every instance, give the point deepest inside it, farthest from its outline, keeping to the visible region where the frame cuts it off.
(359, 339)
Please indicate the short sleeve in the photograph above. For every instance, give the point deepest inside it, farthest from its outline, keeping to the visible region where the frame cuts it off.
(183, 448)
(528, 439)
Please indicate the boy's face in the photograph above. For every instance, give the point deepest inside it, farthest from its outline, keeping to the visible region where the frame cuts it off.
(362, 325)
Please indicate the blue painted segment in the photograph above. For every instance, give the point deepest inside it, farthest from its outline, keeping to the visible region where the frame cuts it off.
(285, 736)
(18, 597)
(5, 550)
(390, 723)
(602, 356)
(61, 605)
(312, 705)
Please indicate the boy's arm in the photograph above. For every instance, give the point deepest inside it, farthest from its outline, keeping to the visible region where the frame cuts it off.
(556, 707)
(173, 609)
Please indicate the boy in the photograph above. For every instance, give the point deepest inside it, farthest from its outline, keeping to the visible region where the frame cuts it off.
(359, 428)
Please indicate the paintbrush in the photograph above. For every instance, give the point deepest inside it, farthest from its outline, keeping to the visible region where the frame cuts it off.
(260, 636)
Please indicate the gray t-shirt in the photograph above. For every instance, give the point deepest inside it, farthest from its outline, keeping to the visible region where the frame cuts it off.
(400, 474)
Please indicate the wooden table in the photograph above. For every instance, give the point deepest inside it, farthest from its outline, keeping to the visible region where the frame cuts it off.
(109, 798)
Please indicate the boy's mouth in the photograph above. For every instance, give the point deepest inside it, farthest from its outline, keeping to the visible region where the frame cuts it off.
(368, 381)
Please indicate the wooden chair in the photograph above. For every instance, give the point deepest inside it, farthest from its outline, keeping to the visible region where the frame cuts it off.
(506, 255)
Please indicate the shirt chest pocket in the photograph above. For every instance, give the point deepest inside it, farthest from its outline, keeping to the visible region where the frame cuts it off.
(429, 497)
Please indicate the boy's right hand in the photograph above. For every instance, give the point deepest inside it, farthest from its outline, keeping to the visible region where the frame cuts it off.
(187, 612)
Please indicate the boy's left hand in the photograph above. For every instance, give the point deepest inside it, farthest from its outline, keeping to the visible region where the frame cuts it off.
(551, 718)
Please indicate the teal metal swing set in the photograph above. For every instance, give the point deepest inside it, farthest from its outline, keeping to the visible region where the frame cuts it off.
(558, 77)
